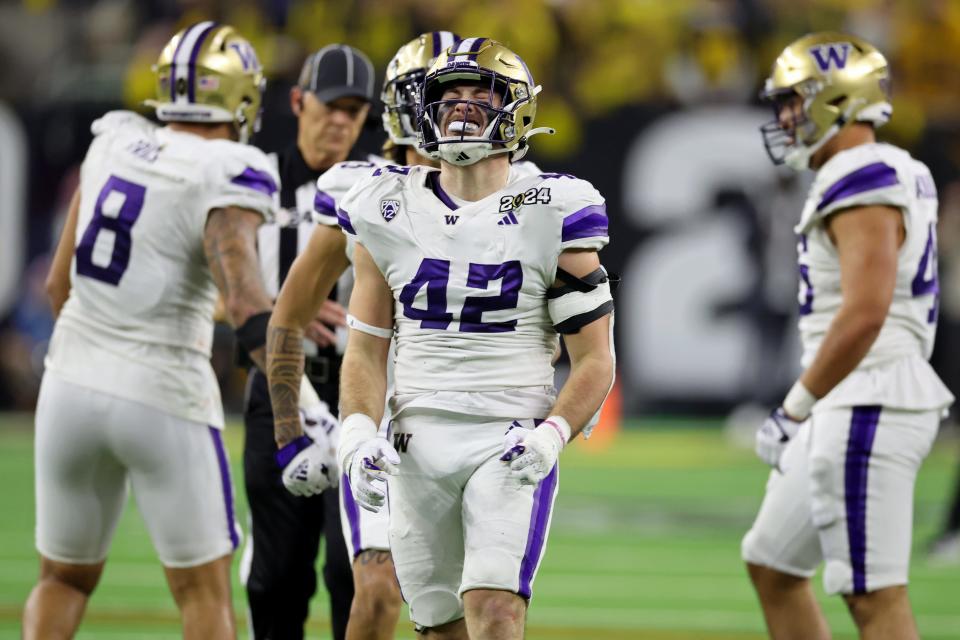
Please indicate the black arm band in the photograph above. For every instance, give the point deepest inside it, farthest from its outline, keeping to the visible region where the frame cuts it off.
(252, 334)
(575, 323)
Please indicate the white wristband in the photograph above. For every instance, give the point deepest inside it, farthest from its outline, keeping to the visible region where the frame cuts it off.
(355, 429)
(799, 402)
(561, 426)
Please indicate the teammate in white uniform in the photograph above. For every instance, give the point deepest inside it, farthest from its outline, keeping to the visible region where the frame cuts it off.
(477, 273)
(164, 216)
(849, 438)
(377, 600)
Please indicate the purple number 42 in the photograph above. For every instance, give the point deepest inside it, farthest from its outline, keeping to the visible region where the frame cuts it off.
(435, 275)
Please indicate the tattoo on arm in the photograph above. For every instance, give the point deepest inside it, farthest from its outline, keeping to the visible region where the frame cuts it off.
(230, 243)
(284, 373)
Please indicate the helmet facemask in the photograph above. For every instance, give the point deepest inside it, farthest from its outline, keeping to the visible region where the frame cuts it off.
(464, 131)
(401, 100)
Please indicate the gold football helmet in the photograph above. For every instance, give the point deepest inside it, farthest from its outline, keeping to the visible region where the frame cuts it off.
(839, 79)
(504, 129)
(209, 73)
(402, 82)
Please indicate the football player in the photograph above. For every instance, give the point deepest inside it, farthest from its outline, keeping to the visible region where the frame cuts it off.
(377, 600)
(163, 218)
(848, 440)
(477, 272)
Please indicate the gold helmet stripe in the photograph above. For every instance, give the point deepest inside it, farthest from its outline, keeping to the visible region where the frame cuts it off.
(185, 58)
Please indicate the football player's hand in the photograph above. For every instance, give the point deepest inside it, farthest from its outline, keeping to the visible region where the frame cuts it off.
(532, 453)
(308, 467)
(773, 435)
(370, 464)
(321, 425)
(331, 314)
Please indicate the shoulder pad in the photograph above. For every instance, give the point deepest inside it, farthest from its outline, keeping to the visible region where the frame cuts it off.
(863, 176)
(582, 209)
(242, 176)
(114, 120)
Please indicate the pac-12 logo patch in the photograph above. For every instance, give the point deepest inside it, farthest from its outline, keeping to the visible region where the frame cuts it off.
(389, 209)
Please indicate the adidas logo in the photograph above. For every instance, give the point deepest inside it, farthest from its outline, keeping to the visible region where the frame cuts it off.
(462, 157)
(510, 218)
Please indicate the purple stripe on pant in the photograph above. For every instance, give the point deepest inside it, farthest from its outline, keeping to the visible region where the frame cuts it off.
(353, 514)
(863, 428)
(226, 485)
(537, 533)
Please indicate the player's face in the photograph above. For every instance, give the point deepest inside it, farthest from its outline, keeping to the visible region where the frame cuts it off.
(331, 128)
(467, 118)
(790, 113)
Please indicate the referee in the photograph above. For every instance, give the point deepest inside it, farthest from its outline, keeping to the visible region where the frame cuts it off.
(331, 103)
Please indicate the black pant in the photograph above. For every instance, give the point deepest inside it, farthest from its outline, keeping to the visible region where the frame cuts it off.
(286, 534)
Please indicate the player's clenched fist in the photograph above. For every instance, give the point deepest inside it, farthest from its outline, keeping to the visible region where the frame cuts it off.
(366, 458)
(773, 435)
(532, 453)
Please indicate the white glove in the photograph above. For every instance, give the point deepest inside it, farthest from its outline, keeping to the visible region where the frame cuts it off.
(773, 435)
(532, 453)
(370, 463)
(321, 425)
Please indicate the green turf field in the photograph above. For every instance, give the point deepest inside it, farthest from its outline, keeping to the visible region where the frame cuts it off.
(645, 544)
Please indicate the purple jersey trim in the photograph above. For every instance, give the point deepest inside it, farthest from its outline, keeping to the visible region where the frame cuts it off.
(344, 219)
(192, 66)
(433, 178)
(863, 428)
(324, 204)
(257, 180)
(353, 514)
(537, 533)
(588, 222)
(226, 485)
(872, 176)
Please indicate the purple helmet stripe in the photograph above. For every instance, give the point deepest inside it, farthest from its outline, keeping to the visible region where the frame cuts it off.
(475, 48)
(226, 485)
(543, 498)
(353, 514)
(527, 69)
(433, 178)
(437, 37)
(863, 428)
(867, 178)
(173, 62)
(585, 223)
(192, 64)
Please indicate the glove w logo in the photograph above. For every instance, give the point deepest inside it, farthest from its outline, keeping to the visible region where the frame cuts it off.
(300, 473)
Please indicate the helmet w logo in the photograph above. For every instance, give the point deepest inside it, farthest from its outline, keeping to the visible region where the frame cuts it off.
(830, 56)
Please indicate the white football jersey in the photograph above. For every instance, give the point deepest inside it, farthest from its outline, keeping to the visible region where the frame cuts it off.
(139, 319)
(469, 281)
(876, 174)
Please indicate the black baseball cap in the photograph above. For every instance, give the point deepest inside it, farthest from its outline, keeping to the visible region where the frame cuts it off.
(337, 71)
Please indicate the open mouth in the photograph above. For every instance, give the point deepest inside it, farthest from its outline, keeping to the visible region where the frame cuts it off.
(464, 127)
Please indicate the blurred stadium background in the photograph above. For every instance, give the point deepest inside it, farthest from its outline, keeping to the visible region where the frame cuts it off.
(654, 103)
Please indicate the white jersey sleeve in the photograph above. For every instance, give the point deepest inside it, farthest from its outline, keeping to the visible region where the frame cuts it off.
(895, 371)
(583, 212)
(241, 176)
(334, 184)
(863, 176)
